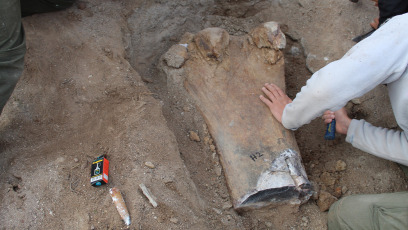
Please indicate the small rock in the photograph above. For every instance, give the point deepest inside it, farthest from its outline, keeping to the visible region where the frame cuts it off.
(206, 140)
(211, 141)
(327, 179)
(344, 189)
(226, 206)
(218, 170)
(167, 180)
(227, 220)
(216, 210)
(81, 5)
(149, 165)
(212, 148)
(76, 160)
(340, 165)
(337, 192)
(18, 176)
(194, 136)
(205, 129)
(269, 224)
(174, 220)
(295, 51)
(356, 101)
(325, 201)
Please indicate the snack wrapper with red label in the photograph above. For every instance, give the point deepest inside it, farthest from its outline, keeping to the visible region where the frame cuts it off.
(99, 171)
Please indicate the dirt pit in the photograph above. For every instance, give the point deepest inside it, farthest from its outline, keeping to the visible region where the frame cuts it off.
(92, 86)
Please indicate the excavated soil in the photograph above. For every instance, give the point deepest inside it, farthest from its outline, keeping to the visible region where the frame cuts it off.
(92, 86)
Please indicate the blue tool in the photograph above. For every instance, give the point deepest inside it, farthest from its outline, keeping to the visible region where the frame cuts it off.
(330, 131)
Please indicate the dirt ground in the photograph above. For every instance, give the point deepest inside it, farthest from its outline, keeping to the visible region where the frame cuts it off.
(92, 86)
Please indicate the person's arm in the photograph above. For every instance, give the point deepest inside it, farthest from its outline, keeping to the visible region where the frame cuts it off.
(379, 59)
(385, 143)
(389, 144)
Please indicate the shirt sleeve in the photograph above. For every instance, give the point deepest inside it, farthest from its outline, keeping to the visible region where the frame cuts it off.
(385, 143)
(379, 59)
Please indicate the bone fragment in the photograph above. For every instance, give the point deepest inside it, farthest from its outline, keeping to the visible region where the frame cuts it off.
(149, 196)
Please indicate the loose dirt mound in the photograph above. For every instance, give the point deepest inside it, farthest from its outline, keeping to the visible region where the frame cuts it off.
(81, 96)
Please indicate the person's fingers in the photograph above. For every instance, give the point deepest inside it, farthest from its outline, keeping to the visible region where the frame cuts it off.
(266, 101)
(269, 93)
(276, 89)
(328, 116)
(273, 89)
(328, 112)
(374, 24)
(327, 121)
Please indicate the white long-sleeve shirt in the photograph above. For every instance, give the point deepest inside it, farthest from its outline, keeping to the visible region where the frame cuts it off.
(381, 58)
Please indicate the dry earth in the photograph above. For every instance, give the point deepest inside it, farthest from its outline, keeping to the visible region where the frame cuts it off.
(91, 86)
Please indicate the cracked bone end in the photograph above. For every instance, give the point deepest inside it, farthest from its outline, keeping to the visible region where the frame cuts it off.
(176, 56)
(212, 43)
(284, 182)
(277, 188)
(269, 35)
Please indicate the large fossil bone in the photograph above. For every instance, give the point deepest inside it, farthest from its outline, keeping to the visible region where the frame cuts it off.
(224, 74)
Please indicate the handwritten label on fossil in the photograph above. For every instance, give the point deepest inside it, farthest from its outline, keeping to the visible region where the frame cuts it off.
(255, 156)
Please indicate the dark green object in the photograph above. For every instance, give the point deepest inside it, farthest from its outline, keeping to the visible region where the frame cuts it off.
(29, 7)
(388, 211)
(12, 48)
(12, 39)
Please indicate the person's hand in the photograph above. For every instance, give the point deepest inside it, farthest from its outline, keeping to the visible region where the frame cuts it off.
(342, 120)
(276, 100)
(375, 23)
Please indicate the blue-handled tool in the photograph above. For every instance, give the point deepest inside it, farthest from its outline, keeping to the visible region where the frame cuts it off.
(330, 130)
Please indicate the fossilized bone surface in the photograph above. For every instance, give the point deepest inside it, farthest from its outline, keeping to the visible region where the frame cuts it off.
(224, 74)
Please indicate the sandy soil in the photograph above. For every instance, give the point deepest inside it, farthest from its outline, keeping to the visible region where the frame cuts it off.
(92, 86)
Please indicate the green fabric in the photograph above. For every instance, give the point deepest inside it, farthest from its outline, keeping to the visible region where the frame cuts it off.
(29, 7)
(387, 211)
(12, 39)
(12, 48)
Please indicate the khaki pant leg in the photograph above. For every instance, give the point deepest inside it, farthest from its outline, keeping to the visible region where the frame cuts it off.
(12, 48)
(387, 211)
